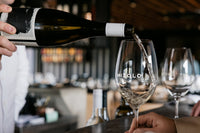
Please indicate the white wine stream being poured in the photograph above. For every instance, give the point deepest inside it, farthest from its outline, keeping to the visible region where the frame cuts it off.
(149, 67)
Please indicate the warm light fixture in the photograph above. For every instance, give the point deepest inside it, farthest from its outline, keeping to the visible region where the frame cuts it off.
(182, 10)
(166, 18)
(88, 16)
(133, 4)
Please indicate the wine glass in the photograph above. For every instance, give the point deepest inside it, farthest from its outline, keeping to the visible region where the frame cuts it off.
(136, 72)
(178, 73)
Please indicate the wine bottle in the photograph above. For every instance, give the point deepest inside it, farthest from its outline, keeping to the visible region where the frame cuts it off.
(97, 108)
(123, 110)
(50, 27)
(102, 84)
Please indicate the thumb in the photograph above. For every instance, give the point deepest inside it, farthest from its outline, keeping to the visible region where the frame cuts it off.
(144, 130)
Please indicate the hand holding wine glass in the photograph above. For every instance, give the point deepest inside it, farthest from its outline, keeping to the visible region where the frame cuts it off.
(136, 72)
(153, 123)
(178, 73)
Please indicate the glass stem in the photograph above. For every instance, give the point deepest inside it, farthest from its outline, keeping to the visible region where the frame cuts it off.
(136, 112)
(176, 106)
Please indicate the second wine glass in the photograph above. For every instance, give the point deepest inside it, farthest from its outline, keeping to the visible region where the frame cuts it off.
(136, 72)
(178, 73)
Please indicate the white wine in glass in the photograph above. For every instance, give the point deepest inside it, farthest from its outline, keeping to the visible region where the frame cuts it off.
(136, 72)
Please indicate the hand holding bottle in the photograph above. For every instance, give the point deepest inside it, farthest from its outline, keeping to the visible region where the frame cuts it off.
(6, 47)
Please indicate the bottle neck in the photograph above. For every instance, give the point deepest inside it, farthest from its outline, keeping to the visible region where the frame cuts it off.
(112, 29)
(119, 30)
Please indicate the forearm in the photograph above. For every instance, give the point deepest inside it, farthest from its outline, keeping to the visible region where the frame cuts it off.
(188, 125)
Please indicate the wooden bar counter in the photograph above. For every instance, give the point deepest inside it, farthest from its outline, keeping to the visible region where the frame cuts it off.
(121, 125)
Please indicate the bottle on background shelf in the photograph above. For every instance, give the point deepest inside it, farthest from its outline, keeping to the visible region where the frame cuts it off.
(36, 27)
(100, 113)
(105, 87)
(104, 108)
(103, 84)
(97, 108)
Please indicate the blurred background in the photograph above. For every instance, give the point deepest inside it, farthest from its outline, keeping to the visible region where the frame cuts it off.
(62, 79)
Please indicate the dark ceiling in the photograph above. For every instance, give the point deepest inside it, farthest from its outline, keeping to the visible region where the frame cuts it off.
(157, 14)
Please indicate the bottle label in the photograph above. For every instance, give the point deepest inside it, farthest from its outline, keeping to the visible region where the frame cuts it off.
(115, 29)
(23, 19)
(97, 98)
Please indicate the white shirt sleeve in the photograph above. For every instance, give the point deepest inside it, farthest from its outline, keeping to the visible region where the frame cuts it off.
(22, 80)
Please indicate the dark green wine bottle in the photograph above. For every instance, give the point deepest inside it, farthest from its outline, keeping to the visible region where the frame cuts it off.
(49, 27)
